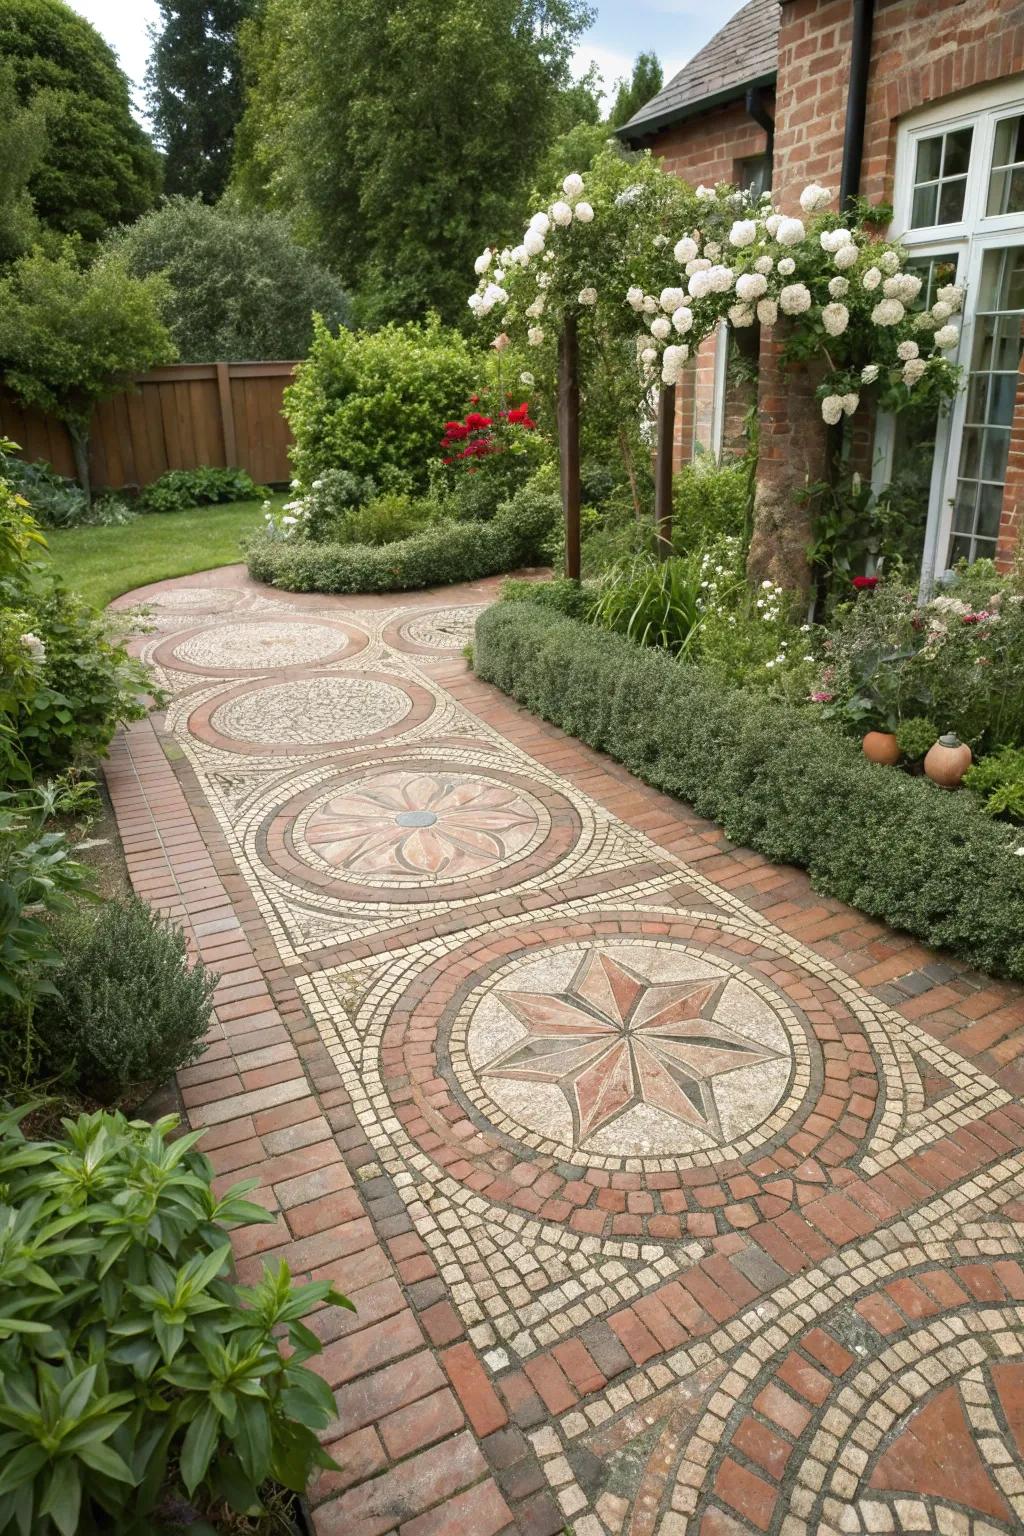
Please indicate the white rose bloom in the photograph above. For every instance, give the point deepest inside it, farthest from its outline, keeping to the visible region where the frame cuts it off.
(850, 404)
(921, 320)
(535, 336)
(506, 257)
(892, 288)
(947, 336)
(846, 257)
(740, 315)
(794, 299)
(764, 265)
(482, 262)
(839, 287)
(814, 198)
(682, 319)
(832, 409)
(685, 250)
(572, 186)
(909, 286)
(832, 240)
(541, 223)
(499, 275)
(650, 304)
(533, 242)
(562, 214)
(712, 249)
(588, 295)
(952, 295)
(536, 309)
(658, 242)
(743, 232)
(787, 266)
(635, 298)
(584, 213)
(543, 280)
(706, 194)
(526, 377)
(670, 299)
(649, 355)
(906, 350)
(889, 262)
(750, 286)
(698, 264)
(767, 312)
(672, 363)
(835, 318)
(519, 256)
(871, 279)
(699, 285)
(772, 223)
(869, 373)
(790, 231)
(720, 279)
(941, 312)
(661, 328)
(475, 301)
(888, 312)
(35, 646)
(913, 370)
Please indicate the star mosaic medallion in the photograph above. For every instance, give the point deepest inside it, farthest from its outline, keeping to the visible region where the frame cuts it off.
(614, 1041)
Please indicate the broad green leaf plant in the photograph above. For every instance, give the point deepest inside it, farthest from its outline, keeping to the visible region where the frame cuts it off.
(140, 1387)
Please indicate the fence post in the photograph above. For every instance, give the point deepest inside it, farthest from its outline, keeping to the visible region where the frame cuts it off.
(227, 415)
(663, 469)
(569, 441)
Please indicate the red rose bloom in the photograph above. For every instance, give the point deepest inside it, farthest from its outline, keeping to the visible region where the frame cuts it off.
(865, 583)
(476, 423)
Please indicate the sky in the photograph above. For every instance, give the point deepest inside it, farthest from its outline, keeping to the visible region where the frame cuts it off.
(674, 29)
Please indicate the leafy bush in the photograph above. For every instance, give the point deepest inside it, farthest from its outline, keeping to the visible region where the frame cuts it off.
(564, 596)
(778, 779)
(139, 1381)
(128, 1009)
(180, 489)
(370, 402)
(709, 502)
(915, 736)
(60, 503)
(999, 779)
(322, 513)
(443, 553)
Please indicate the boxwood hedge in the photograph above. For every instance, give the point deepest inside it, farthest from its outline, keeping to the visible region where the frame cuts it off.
(442, 553)
(777, 779)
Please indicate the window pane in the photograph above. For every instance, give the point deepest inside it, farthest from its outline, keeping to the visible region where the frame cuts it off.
(925, 203)
(977, 398)
(993, 458)
(1009, 143)
(970, 453)
(958, 152)
(1004, 390)
(951, 201)
(959, 549)
(990, 506)
(998, 193)
(963, 507)
(929, 159)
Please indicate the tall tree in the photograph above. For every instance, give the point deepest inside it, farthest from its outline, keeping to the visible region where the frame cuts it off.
(98, 167)
(401, 137)
(194, 92)
(22, 145)
(646, 81)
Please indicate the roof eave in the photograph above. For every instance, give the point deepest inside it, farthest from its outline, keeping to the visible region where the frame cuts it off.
(647, 127)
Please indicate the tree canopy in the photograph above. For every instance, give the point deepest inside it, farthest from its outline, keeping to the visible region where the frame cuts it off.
(194, 92)
(646, 81)
(22, 145)
(98, 167)
(397, 137)
(239, 285)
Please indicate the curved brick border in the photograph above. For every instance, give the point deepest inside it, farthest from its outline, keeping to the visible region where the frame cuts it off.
(352, 641)
(201, 726)
(275, 840)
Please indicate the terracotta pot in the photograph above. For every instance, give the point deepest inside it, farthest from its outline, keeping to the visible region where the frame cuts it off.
(881, 747)
(947, 761)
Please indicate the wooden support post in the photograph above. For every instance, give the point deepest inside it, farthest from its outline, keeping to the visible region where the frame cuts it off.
(663, 469)
(227, 415)
(569, 441)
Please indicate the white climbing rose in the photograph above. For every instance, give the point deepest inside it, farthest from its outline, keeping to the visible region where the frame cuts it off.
(682, 319)
(835, 318)
(661, 328)
(750, 286)
(839, 287)
(790, 231)
(888, 312)
(588, 296)
(767, 312)
(572, 186)
(906, 350)
(814, 198)
(482, 263)
(947, 336)
(685, 250)
(832, 409)
(670, 299)
(561, 213)
(743, 232)
(635, 298)
(794, 299)
(869, 373)
(584, 213)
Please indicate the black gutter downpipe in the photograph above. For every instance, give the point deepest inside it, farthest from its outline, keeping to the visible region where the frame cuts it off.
(856, 101)
(756, 109)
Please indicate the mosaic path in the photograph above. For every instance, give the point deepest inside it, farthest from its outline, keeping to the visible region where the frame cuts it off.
(673, 1197)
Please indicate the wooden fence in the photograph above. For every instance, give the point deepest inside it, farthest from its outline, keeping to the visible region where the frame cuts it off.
(179, 417)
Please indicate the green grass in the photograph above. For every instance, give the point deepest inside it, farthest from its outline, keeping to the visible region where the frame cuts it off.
(101, 563)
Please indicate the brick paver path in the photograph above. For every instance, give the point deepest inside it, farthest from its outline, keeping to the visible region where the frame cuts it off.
(672, 1196)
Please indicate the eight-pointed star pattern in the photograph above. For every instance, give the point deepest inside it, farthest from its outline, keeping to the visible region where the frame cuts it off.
(615, 1040)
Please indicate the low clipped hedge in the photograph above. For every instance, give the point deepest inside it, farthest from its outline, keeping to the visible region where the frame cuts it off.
(777, 779)
(440, 554)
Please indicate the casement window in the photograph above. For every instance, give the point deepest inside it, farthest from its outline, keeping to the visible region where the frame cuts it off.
(959, 210)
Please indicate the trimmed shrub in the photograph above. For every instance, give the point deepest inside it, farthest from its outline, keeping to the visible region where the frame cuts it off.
(180, 489)
(128, 1008)
(439, 555)
(777, 779)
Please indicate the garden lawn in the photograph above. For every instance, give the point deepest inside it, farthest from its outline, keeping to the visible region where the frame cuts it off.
(101, 563)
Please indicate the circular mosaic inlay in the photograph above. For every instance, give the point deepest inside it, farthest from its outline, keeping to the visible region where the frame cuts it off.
(408, 826)
(441, 629)
(312, 711)
(252, 647)
(628, 1050)
(186, 598)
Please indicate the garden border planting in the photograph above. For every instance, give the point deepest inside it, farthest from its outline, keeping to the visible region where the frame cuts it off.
(923, 859)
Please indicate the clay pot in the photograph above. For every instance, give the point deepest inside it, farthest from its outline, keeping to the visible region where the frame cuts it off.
(947, 761)
(881, 747)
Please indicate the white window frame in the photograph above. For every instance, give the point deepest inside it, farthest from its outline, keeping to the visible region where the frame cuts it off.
(966, 242)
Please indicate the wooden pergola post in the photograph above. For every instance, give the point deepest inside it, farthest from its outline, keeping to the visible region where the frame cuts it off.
(569, 441)
(663, 469)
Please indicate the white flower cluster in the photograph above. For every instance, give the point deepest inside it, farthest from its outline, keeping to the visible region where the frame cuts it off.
(490, 294)
(34, 646)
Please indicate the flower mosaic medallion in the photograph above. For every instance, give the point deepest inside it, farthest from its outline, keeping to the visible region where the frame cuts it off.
(251, 645)
(413, 826)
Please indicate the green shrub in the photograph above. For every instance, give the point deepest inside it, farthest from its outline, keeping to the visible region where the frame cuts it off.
(439, 555)
(323, 511)
(778, 779)
(564, 596)
(708, 502)
(60, 503)
(141, 1385)
(128, 1009)
(373, 402)
(999, 780)
(651, 602)
(915, 736)
(180, 489)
